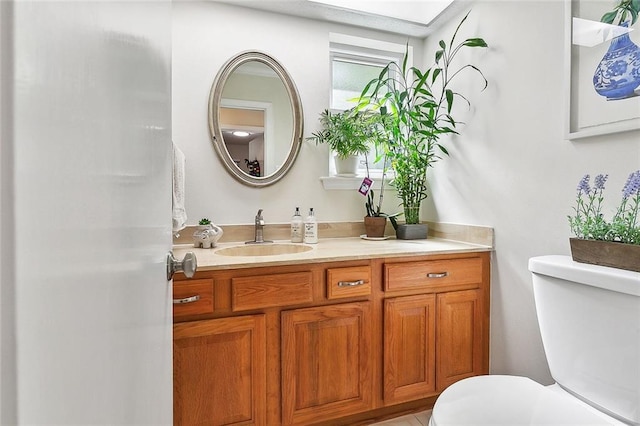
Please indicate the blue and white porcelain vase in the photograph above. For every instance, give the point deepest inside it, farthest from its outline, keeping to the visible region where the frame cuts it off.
(618, 73)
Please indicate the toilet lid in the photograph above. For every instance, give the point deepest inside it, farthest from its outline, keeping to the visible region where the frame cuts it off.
(509, 400)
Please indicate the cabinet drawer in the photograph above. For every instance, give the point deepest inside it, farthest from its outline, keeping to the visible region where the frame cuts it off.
(348, 282)
(264, 291)
(192, 297)
(433, 274)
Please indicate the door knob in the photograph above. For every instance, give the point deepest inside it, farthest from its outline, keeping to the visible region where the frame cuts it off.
(188, 265)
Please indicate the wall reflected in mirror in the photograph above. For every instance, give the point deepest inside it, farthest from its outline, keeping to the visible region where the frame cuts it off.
(243, 132)
(255, 101)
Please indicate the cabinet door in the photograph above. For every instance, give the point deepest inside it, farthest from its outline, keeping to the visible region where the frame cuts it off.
(459, 337)
(219, 370)
(326, 362)
(409, 348)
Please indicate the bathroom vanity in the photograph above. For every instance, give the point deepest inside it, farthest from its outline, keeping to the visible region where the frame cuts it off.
(348, 331)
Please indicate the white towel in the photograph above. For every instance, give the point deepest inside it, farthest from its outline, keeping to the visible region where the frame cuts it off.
(179, 219)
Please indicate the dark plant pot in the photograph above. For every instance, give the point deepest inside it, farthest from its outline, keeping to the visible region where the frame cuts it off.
(374, 226)
(416, 231)
(606, 253)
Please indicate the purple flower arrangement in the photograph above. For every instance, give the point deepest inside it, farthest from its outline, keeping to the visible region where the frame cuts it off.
(589, 222)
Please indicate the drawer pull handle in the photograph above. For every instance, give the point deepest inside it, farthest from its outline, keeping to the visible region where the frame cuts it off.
(186, 300)
(350, 283)
(437, 274)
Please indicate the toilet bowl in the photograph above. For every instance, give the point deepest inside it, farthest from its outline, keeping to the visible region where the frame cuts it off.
(589, 318)
(512, 400)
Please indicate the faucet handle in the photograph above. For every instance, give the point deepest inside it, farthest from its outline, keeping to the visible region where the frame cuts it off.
(259, 225)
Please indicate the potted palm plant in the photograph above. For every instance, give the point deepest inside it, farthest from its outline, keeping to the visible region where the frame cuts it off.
(348, 134)
(417, 106)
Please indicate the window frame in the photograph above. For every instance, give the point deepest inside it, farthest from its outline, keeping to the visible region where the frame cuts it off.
(364, 51)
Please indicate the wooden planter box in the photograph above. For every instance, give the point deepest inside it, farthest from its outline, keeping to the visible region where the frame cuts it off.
(606, 253)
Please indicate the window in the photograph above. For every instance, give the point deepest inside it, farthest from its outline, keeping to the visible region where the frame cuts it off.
(354, 62)
(349, 75)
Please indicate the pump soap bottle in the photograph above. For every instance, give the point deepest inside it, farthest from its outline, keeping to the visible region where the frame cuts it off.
(310, 228)
(297, 226)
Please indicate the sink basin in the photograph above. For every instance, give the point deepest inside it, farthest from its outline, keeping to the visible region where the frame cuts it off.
(263, 249)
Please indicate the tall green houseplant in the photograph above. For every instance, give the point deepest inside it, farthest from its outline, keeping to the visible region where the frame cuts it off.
(417, 106)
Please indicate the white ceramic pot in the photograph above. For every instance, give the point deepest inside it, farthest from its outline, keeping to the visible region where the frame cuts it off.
(346, 166)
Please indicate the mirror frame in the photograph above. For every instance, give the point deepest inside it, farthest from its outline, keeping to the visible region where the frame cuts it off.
(215, 98)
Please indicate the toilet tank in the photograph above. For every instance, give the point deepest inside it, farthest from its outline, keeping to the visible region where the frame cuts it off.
(589, 318)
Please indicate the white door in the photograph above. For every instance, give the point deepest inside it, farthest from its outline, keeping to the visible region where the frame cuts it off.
(90, 186)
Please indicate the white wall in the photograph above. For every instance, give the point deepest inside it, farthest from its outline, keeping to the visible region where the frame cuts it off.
(205, 36)
(510, 168)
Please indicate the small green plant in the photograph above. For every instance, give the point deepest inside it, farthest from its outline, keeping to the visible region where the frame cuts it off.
(204, 221)
(373, 209)
(589, 221)
(355, 132)
(347, 133)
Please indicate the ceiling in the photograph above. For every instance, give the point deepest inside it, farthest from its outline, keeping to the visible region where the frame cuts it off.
(430, 13)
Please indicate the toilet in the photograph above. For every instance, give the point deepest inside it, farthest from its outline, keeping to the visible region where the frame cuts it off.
(589, 318)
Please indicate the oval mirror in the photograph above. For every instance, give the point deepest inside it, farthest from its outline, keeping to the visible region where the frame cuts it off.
(255, 118)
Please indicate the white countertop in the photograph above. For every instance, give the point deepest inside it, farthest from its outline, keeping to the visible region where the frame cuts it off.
(326, 250)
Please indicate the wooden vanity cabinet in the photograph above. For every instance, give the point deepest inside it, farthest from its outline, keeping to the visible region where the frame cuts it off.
(440, 333)
(273, 345)
(327, 343)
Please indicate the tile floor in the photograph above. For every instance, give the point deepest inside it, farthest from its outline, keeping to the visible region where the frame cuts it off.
(418, 419)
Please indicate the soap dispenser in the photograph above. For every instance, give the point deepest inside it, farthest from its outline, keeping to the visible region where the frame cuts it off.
(297, 226)
(310, 228)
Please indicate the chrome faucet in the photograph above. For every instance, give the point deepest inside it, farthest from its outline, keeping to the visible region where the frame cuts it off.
(259, 230)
